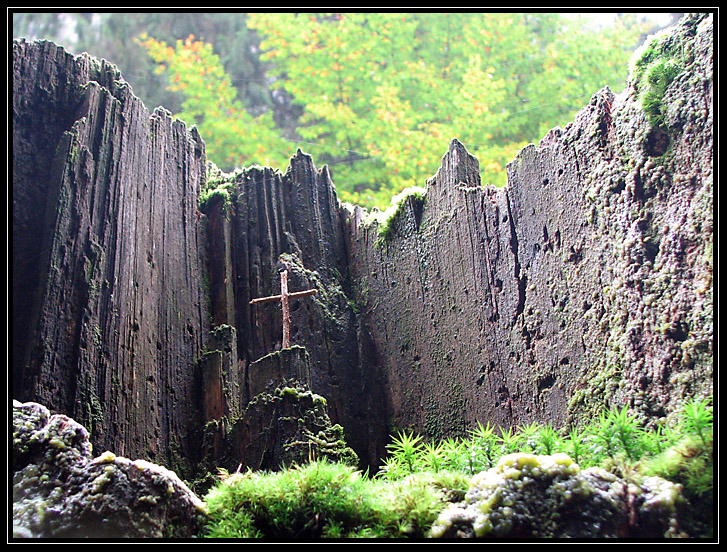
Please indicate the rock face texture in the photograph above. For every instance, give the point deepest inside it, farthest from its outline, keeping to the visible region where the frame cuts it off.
(61, 491)
(284, 423)
(265, 218)
(587, 282)
(108, 312)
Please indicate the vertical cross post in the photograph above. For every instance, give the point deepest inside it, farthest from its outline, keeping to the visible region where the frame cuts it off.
(285, 303)
(284, 299)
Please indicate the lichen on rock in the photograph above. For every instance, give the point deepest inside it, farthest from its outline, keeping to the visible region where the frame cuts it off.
(61, 491)
(550, 496)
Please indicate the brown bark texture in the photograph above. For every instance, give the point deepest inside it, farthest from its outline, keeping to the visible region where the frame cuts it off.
(585, 283)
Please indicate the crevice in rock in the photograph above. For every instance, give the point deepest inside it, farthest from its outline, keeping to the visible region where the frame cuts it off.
(520, 277)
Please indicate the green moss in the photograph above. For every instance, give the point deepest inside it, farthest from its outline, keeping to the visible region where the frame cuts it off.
(93, 415)
(592, 396)
(388, 220)
(550, 496)
(690, 463)
(656, 65)
(322, 500)
(219, 187)
(423, 485)
(658, 78)
(214, 195)
(332, 299)
(443, 415)
(299, 393)
(653, 49)
(222, 193)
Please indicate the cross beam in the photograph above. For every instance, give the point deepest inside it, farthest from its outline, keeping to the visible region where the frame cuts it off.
(284, 299)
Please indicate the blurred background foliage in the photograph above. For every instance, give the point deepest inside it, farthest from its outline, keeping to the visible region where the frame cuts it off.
(376, 96)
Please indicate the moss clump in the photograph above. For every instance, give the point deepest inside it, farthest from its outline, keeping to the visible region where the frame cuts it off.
(388, 220)
(316, 436)
(219, 187)
(658, 78)
(690, 463)
(494, 504)
(322, 500)
(546, 496)
(658, 62)
(656, 48)
(221, 193)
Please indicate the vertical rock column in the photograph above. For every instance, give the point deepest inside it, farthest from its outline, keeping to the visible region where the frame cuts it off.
(269, 216)
(221, 376)
(116, 317)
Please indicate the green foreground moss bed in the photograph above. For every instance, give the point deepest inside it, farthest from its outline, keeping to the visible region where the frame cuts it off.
(324, 500)
(427, 490)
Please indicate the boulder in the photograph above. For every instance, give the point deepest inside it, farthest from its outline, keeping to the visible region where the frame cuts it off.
(61, 491)
(549, 496)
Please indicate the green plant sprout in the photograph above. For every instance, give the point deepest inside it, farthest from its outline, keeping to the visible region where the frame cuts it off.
(406, 447)
(698, 417)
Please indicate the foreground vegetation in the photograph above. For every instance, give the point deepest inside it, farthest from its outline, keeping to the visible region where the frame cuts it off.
(418, 479)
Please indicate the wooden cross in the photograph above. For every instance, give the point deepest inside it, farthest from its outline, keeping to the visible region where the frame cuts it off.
(284, 299)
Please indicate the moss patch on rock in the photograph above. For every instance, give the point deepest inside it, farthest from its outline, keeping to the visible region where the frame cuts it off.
(547, 496)
(61, 491)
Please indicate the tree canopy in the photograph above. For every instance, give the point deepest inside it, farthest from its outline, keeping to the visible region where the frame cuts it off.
(376, 96)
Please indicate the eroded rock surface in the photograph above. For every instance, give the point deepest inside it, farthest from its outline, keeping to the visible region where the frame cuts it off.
(284, 423)
(109, 310)
(586, 283)
(61, 491)
(265, 217)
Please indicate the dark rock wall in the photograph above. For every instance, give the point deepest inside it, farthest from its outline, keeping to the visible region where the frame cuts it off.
(44, 77)
(587, 282)
(108, 312)
(442, 297)
(296, 217)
